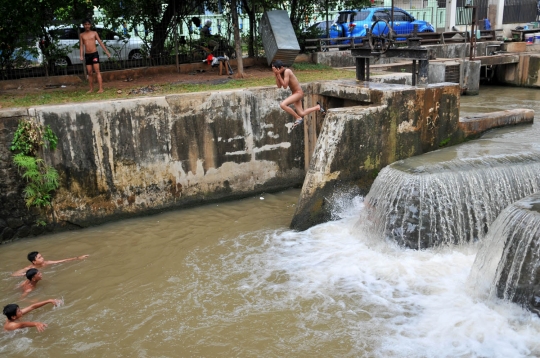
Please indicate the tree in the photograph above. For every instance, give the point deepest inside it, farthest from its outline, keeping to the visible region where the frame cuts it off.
(237, 41)
(26, 22)
(156, 16)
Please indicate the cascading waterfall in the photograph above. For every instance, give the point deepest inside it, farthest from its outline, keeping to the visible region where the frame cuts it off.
(450, 196)
(508, 260)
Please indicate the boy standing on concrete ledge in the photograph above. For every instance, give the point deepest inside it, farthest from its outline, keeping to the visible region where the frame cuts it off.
(88, 40)
(286, 78)
(13, 313)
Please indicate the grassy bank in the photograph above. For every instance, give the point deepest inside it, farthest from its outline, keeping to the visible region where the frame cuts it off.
(305, 73)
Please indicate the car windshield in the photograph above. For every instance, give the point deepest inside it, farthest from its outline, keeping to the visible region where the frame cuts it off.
(350, 16)
(362, 15)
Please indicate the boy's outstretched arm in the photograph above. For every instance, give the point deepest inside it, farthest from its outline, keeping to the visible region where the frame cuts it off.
(39, 304)
(11, 326)
(82, 257)
(22, 272)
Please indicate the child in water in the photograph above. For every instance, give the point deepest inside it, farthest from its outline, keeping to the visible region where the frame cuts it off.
(14, 313)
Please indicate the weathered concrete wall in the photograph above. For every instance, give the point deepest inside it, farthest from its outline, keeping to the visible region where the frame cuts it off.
(15, 219)
(129, 157)
(524, 74)
(478, 124)
(471, 77)
(388, 123)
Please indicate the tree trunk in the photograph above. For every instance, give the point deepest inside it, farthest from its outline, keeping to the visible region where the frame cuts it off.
(251, 14)
(237, 41)
(160, 30)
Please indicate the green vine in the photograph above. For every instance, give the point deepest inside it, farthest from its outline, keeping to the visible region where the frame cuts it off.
(42, 179)
(30, 136)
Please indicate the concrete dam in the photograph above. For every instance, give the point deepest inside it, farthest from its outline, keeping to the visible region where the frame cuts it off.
(119, 159)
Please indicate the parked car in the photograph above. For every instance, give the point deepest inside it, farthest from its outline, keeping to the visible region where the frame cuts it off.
(354, 23)
(120, 47)
(318, 30)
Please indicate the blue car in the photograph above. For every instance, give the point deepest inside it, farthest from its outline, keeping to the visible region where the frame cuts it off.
(353, 23)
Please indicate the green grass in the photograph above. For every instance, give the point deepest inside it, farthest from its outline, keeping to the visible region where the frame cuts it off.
(305, 72)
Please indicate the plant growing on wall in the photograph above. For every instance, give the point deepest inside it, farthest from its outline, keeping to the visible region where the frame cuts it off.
(42, 179)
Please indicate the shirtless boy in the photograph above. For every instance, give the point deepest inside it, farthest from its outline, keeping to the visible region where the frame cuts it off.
(286, 78)
(13, 313)
(33, 276)
(38, 262)
(88, 40)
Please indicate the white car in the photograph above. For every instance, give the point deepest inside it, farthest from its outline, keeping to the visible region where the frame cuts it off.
(120, 47)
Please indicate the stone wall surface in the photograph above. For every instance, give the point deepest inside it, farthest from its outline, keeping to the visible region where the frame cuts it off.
(15, 219)
(130, 157)
(524, 74)
(388, 123)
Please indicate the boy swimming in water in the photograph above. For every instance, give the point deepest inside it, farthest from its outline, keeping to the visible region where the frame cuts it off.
(286, 78)
(38, 262)
(13, 313)
(33, 276)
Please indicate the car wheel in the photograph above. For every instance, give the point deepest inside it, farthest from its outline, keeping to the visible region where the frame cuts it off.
(62, 62)
(135, 55)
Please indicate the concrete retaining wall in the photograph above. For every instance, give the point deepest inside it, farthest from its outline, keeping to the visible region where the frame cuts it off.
(524, 74)
(388, 123)
(129, 157)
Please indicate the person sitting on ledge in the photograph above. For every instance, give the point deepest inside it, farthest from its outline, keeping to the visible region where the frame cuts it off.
(13, 313)
(38, 262)
(33, 276)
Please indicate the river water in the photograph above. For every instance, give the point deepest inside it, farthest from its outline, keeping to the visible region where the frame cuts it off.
(230, 280)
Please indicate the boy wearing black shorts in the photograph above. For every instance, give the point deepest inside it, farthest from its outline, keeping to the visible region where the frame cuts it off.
(87, 40)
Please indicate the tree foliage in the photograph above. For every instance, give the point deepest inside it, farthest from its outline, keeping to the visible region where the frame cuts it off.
(41, 179)
(25, 22)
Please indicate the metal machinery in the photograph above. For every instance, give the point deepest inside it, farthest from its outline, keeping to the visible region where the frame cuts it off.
(381, 38)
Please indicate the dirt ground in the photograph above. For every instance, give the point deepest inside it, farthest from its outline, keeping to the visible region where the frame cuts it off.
(206, 75)
(135, 80)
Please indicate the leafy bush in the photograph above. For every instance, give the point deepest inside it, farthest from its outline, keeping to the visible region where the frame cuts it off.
(41, 178)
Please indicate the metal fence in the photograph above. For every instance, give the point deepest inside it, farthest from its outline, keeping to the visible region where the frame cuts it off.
(464, 15)
(130, 45)
(520, 11)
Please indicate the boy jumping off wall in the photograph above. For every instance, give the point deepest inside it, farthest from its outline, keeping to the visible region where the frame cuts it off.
(286, 78)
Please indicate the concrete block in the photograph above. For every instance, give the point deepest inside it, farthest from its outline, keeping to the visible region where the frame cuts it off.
(13, 112)
(471, 77)
(514, 46)
(437, 72)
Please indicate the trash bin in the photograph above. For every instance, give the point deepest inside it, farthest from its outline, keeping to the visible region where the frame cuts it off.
(278, 37)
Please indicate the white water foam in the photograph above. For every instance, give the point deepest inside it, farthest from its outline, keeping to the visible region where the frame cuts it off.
(397, 302)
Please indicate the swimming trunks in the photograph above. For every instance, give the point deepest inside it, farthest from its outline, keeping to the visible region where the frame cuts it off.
(91, 58)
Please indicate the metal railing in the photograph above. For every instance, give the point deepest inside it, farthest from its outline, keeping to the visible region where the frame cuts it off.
(425, 38)
(520, 11)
